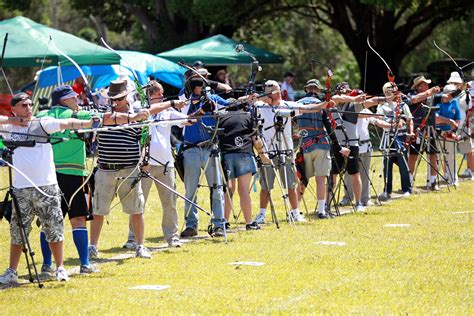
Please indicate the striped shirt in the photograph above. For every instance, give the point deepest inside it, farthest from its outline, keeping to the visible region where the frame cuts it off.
(119, 146)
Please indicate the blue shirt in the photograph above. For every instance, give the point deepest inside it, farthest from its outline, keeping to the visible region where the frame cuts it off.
(313, 123)
(448, 110)
(197, 133)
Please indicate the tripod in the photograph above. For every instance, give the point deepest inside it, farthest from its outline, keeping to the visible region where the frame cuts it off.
(392, 147)
(282, 161)
(429, 134)
(7, 159)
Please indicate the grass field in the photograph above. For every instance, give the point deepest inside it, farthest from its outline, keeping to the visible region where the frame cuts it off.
(425, 267)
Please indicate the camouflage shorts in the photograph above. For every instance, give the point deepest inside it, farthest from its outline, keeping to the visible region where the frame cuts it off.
(33, 203)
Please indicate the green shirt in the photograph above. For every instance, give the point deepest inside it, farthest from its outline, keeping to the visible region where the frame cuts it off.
(70, 155)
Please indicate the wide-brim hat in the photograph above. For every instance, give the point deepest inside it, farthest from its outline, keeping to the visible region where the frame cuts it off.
(117, 89)
(313, 83)
(455, 77)
(419, 80)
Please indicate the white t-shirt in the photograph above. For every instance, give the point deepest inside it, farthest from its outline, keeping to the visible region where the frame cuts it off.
(289, 90)
(363, 130)
(268, 115)
(37, 162)
(160, 146)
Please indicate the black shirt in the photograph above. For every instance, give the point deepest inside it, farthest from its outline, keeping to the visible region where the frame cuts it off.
(238, 132)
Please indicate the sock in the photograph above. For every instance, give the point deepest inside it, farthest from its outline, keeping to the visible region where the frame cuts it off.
(295, 211)
(411, 177)
(263, 211)
(432, 179)
(82, 244)
(45, 251)
(322, 207)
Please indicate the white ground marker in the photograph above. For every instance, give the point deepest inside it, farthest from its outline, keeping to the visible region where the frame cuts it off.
(150, 287)
(331, 243)
(396, 225)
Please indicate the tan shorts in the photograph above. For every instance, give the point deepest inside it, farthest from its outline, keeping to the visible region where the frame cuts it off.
(466, 146)
(317, 163)
(106, 184)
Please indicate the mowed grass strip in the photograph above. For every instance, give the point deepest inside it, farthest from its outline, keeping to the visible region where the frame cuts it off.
(424, 268)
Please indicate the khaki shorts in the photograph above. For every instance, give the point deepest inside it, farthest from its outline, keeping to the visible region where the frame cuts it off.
(106, 184)
(317, 163)
(31, 202)
(266, 171)
(466, 146)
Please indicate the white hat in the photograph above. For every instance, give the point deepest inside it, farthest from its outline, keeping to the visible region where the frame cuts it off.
(455, 78)
(449, 88)
(271, 85)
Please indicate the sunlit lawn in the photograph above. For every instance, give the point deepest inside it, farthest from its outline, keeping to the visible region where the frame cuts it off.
(425, 267)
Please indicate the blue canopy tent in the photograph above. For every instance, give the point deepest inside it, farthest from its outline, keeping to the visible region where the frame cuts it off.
(145, 65)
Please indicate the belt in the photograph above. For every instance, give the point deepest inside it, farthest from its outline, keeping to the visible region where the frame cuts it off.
(114, 166)
(203, 144)
(365, 141)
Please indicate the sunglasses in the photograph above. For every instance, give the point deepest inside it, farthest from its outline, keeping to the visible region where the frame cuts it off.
(121, 98)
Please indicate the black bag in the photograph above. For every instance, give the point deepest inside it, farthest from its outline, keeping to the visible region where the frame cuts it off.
(6, 208)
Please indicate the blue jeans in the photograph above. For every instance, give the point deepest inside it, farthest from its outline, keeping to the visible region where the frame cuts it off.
(195, 160)
(399, 159)
(239, 164)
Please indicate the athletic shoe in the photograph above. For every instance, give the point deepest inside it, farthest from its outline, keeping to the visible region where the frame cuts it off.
(359, 208)
(368, 203)
(218, 232)
(344, 202)
(434, 186)
(296, 217)
(9, 277)
(385, 196)
(47, 271)
(189, 232)
(260, 219)
(143, 252)
(93, 252)
(406, 194)
(130, 244)
(227, 225)
(252, 226)
(174, 243)
(61, 274)
(324, 216)
(467, 173)
(88, 269)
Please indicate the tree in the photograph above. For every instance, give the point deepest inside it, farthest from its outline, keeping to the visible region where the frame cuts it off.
(395, 28)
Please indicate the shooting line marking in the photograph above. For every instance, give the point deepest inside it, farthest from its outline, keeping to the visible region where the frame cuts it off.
(150, 287)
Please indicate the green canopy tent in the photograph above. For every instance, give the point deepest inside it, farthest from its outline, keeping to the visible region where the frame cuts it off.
(30, 43)
(219, 50)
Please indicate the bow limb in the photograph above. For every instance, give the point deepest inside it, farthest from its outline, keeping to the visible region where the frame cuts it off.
(86, 82)
(5, 40)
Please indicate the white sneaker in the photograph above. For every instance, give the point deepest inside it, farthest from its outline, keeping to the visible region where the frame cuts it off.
(344, 202)
(405, 194)
(93, 252)
(260, 219)
(61, 274)
(174, 243)
(143, 252)
(130, 244)
(467, 173)
(9, 277)
(359, 208)
(296, 217)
